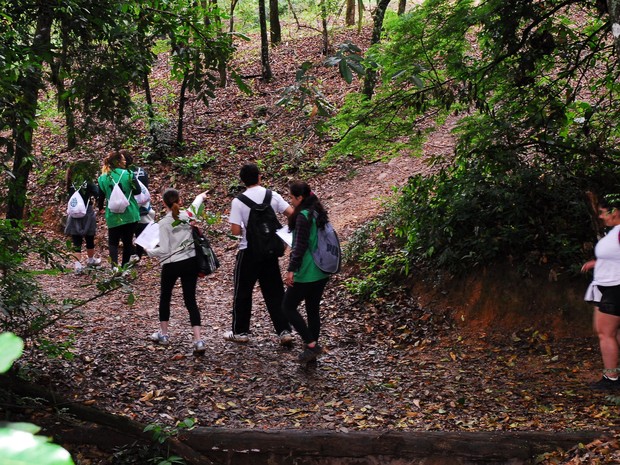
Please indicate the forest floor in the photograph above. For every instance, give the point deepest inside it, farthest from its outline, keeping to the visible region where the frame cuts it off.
(389, 364)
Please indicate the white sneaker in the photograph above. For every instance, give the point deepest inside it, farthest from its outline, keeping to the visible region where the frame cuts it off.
(161, 339)
(134, 259)
(199, 347)
(93, 261)
(241, 338)
(78, 268)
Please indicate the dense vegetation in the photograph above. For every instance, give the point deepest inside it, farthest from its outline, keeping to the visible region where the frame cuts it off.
(535, 86)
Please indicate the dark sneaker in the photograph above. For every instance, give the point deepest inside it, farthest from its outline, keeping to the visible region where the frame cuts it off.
(286, 338)
(310, 353)
(605, 384)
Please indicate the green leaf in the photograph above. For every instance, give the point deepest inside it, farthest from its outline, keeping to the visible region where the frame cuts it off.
(345, 71)
(11, 348)
(22, 448)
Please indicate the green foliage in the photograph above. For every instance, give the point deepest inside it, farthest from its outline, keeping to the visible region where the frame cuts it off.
(379, 257)
(19, 444)
(195, 165)
(25, 308)
(161, 434)
(536, 85)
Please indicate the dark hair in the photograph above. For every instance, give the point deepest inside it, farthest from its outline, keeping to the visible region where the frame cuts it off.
(249, 174)
(172, 199)
(310, 202)
(610, 201)
(128, 158)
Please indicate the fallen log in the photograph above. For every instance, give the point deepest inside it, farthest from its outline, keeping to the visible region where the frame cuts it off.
(205, 445)
(108, 431)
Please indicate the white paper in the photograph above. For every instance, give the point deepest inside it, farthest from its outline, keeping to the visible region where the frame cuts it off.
(287, 236)
(149, 238)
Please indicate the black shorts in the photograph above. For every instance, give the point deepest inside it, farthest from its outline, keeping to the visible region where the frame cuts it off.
(610, 300)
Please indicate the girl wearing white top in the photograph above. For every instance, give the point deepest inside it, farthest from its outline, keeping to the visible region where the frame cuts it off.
(177, 256)
(604, 293)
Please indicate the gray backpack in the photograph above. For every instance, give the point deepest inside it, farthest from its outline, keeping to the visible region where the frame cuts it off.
(327, 255)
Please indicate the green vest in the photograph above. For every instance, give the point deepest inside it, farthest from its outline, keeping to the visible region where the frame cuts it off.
(106, 184)
(309, 272)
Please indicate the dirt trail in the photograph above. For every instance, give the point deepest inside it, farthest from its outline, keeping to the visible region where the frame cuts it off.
(353, 202)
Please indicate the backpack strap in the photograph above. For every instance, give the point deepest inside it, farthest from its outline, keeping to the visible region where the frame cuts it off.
(250, 203)
(246, 200)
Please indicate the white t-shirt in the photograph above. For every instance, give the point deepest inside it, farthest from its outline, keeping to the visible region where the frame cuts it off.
(607, 267)
(240, 212)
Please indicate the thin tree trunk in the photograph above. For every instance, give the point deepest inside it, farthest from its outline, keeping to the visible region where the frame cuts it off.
(30, 83)
(325, 50)
(614, 12)
(360, 15)
(146, 85)
(231, 23)
(264, 43)
(274, 23)
(350, 13)
(181, 111)
(402, 6)
(64, 103)
(371, 75)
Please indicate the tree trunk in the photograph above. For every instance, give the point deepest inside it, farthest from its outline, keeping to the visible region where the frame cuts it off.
(402, 6)
(360, 15)
(349, 18)
(181, 111)
(30, 82)
(325, 50)
(614, 13)
(274, 23)
(64, 103)
(371, 75)
(264, 43)
(231, 24)
(149, 109)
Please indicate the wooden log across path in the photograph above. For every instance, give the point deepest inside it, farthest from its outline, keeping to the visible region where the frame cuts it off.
(208, 445)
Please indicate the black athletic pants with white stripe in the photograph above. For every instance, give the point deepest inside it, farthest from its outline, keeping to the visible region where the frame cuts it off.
(267, 273)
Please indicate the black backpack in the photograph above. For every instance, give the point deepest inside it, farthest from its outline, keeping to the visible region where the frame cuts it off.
(263, 243)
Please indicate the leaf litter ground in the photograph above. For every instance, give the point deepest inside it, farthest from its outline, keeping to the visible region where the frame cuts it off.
(389, 364)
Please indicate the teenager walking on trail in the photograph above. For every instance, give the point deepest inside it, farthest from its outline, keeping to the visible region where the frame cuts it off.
(147, 214)
(304, 280)
(177, 256)
(604, 293)
(82, 227)
(121, 225)
(252, 266)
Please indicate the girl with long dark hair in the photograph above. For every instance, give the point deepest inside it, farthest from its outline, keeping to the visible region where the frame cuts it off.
(304, 280)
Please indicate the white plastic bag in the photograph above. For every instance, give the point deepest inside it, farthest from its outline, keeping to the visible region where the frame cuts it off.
(76, 208)
(144, 196)
(118, 203)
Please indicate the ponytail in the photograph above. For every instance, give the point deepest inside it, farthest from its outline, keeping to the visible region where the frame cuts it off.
(309, 202)
(171, 199)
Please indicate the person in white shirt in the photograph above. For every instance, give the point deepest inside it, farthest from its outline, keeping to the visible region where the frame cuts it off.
(177, 256)
(248, 270)
(604, 293)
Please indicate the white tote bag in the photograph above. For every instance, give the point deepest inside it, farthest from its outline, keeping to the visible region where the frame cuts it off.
(118, 203)
(76, 208)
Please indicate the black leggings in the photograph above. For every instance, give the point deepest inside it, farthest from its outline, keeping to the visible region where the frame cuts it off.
(187, 270)
(311, 293)
(115, 236)
(77, 242)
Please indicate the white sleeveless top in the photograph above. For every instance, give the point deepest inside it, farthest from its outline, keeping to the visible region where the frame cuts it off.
(607, 267)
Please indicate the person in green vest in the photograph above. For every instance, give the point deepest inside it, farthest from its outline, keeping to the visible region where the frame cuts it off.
(121, 225)
(304, 280)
